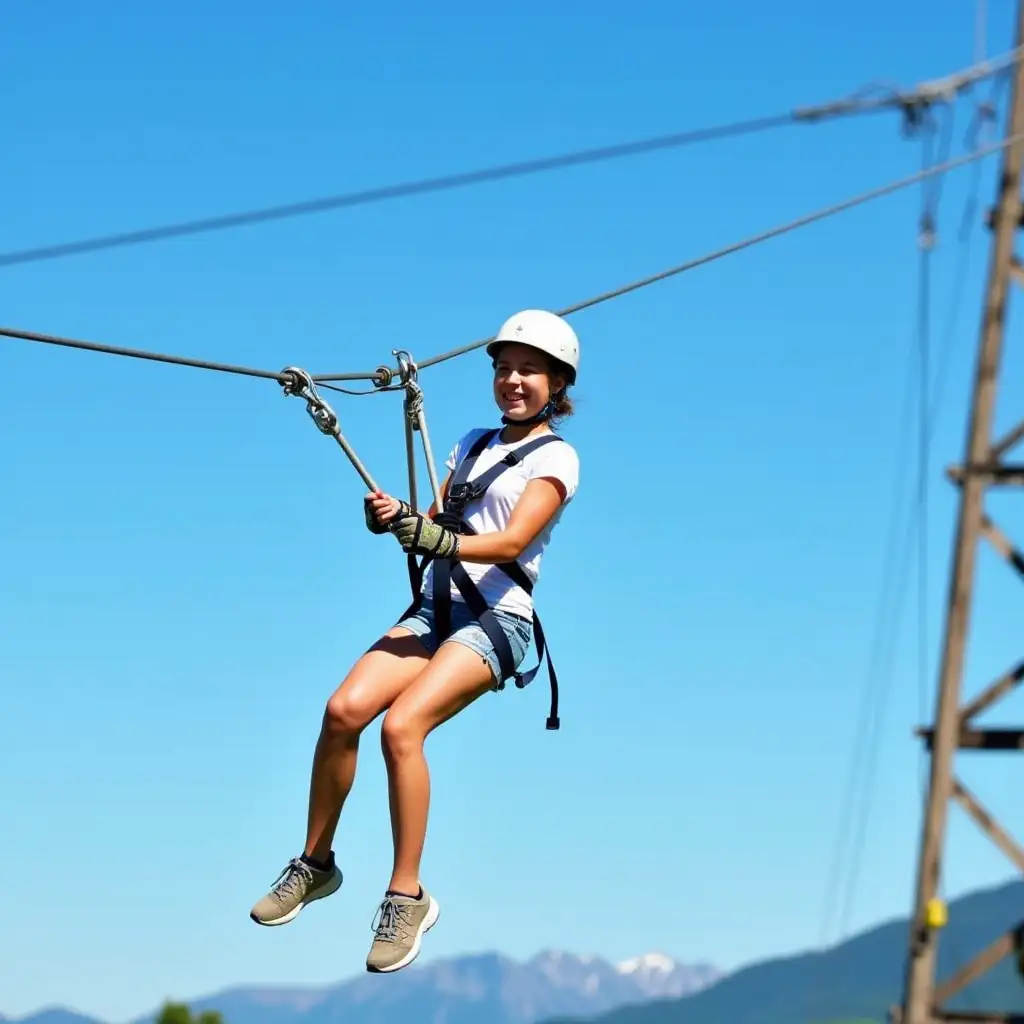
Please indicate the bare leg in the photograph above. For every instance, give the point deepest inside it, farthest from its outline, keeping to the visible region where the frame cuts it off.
(379, 676)
(454, 678)
(373, 684)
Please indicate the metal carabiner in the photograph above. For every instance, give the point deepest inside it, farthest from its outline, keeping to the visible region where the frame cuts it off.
(301, 384)
(298, 382)
(407, 371)
(416, 419)
(408, 375)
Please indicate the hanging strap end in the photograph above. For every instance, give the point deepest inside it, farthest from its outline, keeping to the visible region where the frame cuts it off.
(553, 723)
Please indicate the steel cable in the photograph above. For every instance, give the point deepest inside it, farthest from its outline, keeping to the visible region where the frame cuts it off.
(746, 243)
(924, 94)
(159, 357)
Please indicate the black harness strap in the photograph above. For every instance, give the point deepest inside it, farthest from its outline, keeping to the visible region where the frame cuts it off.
(447, 571)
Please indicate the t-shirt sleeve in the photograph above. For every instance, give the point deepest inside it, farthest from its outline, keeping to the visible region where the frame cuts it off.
(462, 446)
(559, 461)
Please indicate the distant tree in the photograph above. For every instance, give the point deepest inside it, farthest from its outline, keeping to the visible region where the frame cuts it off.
(179, 1013)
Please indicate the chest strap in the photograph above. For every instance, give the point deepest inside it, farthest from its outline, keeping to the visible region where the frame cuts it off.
(461, 491)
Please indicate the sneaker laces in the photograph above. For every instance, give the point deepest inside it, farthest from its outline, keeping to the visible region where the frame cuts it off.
(392, 914)
(288, 882)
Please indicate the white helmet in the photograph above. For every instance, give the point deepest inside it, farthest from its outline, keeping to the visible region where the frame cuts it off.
(544, 331)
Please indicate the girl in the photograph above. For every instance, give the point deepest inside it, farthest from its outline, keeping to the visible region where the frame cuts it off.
(422, 675)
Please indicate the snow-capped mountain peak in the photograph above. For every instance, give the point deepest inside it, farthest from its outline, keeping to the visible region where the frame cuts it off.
(481, 986)
(659, 976)
(648, 963)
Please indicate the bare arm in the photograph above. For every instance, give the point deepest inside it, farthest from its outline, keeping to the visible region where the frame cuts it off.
(539, 502)
(444, 490)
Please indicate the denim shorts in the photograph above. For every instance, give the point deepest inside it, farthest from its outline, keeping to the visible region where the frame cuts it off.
(467, 631)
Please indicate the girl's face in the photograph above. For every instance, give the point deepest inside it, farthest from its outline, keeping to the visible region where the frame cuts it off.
(522, 382)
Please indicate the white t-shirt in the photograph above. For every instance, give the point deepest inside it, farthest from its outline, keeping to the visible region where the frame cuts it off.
(492, 512)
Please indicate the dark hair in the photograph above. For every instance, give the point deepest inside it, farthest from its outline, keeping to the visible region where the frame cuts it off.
(562, 404)
(563, 408)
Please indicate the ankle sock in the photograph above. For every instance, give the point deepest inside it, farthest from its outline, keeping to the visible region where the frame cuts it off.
(395, 892)
(319, 865)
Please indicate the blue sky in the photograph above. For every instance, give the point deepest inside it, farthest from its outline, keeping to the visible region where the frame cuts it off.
(186, 575)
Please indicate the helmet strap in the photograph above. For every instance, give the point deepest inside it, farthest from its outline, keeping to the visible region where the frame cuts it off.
(530, 421)
(545, 414)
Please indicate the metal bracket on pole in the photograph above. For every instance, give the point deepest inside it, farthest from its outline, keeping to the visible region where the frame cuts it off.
(298, 382)
(924, 998)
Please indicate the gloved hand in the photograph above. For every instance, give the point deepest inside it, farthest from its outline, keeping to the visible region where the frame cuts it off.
(422, 536)
(379, 504)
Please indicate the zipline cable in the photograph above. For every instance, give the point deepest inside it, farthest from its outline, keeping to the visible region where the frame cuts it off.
(897, 574)
(916, 526)
(159, 357)
(896, 567)
(855, 805)
(938, 90)
(983, 124)
(385, 192)
(384, 374)
(746, 243)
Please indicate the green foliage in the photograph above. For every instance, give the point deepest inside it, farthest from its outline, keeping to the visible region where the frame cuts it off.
(179, 1013)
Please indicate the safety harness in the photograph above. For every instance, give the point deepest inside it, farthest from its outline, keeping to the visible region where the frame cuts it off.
(461, 492)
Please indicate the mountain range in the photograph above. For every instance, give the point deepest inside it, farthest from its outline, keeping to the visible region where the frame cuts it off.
(486, 987)
(855, 980)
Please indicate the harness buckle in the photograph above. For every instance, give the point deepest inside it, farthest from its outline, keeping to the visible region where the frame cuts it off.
(460, 495)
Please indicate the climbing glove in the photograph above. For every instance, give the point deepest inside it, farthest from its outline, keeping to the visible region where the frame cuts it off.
(374, 525)
(422, 536)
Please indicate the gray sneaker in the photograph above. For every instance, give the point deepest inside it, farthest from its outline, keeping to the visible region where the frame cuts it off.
(403, 922)
(296, 886)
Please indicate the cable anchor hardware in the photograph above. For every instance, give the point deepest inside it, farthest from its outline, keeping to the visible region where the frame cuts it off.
(416, 422)
(296, 381)
(408, 374)
(299, 382)
(407, 369)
